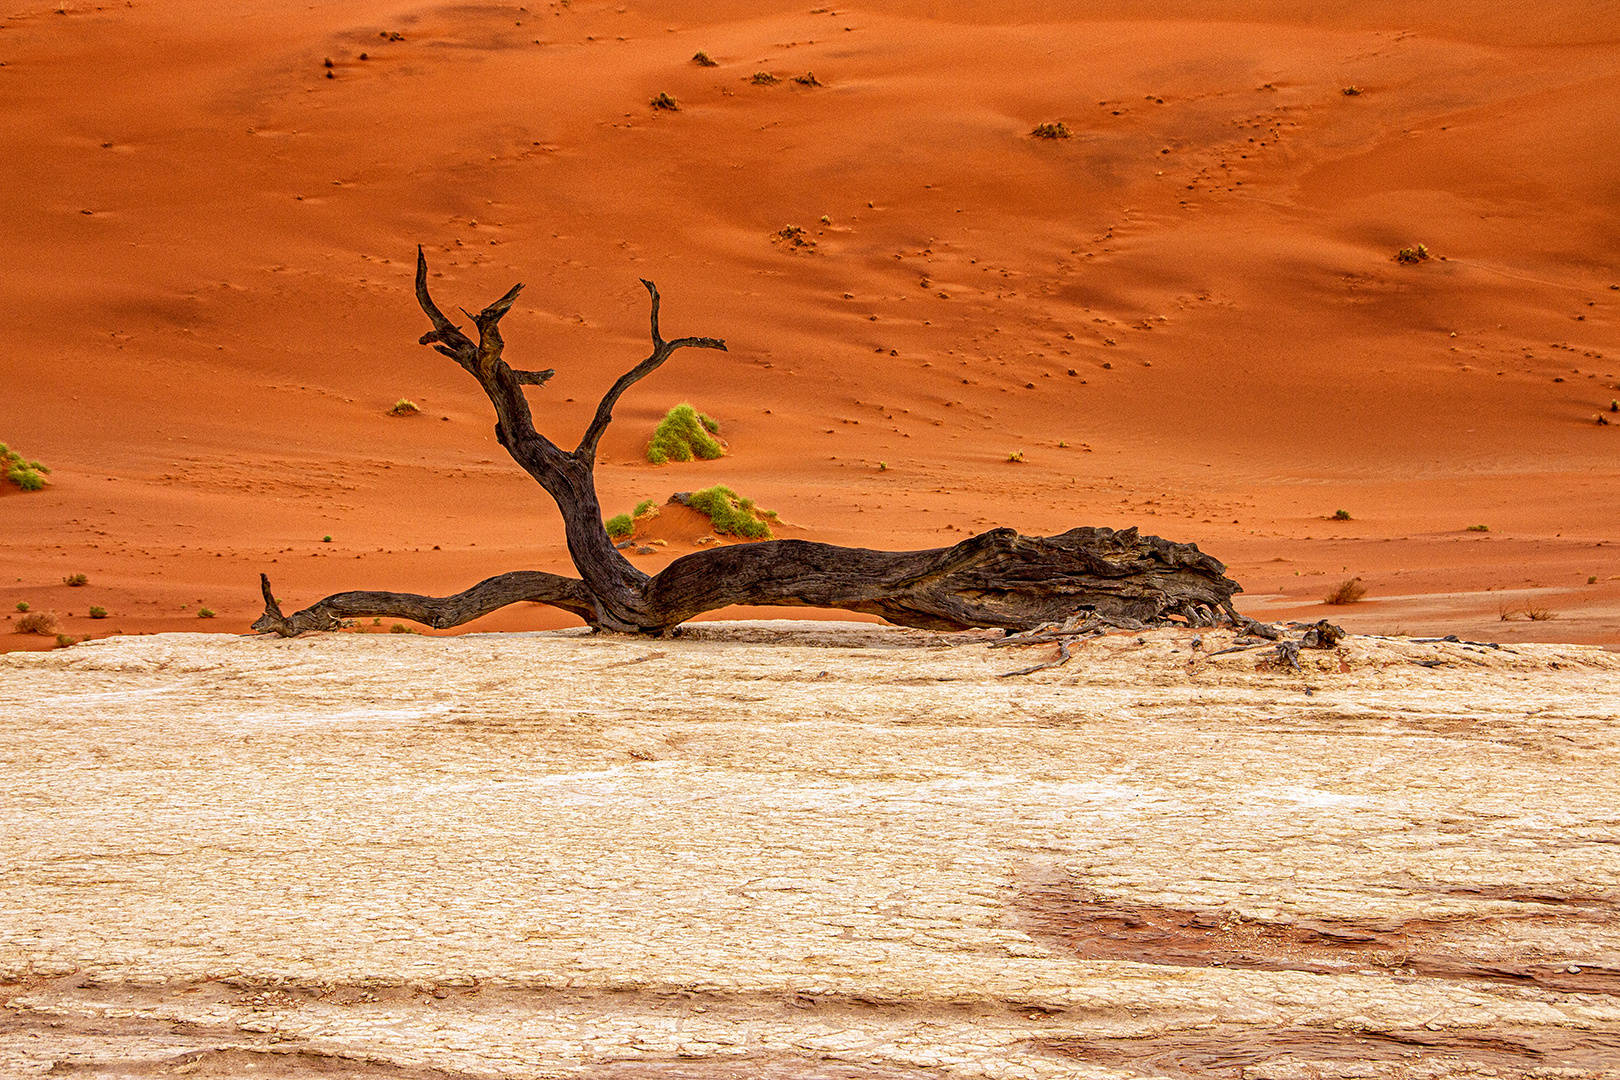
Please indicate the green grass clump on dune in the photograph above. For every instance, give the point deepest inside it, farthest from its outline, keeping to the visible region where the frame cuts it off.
(28, 475)
(619, 526)
(731, 513)
(684, 433)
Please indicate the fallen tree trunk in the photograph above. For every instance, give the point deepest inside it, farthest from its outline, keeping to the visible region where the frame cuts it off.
(995, 579)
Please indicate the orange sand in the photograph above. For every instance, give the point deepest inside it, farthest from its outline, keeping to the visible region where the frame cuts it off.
(207, 289)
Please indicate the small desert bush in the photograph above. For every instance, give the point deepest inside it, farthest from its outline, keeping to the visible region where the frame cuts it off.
(1479, 528)
(1016, 456)
(22, 605)
(731, 513)
(64, 640)
(38, 622)
(703, 59)
(1349, 591)
(1352, 91)
(205, 613)
(404, 407)
(684, 433)
(1056, 129)
(764, 78)
(28, 475)
(665, 102)
(807, 79)
(644, 508)
(1412, 254)
(1341, 515)
(98, 613)
(620, 526)
(74, 581)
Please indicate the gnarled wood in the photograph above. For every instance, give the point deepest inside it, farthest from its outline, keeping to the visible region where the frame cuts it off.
(996, 579)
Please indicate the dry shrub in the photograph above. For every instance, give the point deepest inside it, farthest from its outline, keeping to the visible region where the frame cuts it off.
(1349, 591)
(39, 622)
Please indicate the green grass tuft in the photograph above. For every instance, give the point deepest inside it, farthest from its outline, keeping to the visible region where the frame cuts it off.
(643, 508)
(1479, 528)
(28, 475)
(1341, 515)
(620, 526)
(731, 513)
(684, 433)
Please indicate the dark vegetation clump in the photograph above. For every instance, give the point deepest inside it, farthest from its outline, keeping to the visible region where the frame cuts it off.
(792, 236)
(703, 59)
(1055, 129)
(1412, 255)
(665, 102)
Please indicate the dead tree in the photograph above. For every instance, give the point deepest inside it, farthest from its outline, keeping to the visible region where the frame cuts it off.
(995, 579)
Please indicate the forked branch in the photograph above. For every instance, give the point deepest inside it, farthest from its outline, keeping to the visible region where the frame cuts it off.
(661, 352)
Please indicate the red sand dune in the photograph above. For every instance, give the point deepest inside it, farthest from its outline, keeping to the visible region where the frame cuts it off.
(209, 243)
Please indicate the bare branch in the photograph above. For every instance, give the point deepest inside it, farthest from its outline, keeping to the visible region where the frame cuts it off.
(653, 290)
(445, 336)
(661, 352)
(1059, 660)
(438, 612)
(489, 334)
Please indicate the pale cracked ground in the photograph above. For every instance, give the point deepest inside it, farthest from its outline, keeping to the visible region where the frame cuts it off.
(806, 851)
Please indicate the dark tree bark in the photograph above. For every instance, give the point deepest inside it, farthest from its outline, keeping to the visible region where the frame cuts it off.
(996, 579)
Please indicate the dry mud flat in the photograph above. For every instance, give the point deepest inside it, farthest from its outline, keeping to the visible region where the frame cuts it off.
(807, 851)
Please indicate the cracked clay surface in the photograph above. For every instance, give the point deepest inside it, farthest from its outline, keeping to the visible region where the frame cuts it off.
(807, 852)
